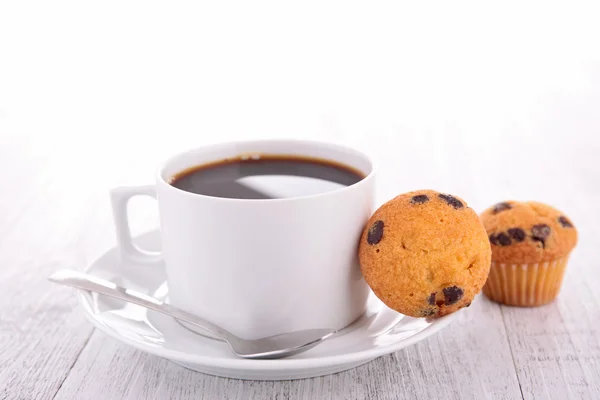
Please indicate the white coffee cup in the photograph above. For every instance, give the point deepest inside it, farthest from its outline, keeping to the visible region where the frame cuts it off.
(259, 267)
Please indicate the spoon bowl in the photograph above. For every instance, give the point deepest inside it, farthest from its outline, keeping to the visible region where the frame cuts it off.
(279, 346)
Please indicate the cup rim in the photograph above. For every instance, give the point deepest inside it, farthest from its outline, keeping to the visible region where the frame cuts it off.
(368, 177)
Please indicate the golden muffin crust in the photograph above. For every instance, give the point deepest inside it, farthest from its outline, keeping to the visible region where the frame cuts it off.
(528, 232)
(425, 254)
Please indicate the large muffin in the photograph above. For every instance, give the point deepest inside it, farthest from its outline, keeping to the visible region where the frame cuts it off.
(425, 254)
(531, 243)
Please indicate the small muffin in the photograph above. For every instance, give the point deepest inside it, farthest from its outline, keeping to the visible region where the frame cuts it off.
(425, 254)
(531, 243)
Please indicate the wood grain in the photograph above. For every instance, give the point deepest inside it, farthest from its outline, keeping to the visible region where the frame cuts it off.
(40, 335)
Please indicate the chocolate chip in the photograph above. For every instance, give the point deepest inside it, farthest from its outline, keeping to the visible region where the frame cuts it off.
(428, 313)
(564, 221)
(494, 239)
(431, 299)
(539, 233)
(452, 295)
(517, 234)
(503, 239)
(451, 200)
(501, 207)
(467, 305)
(419, 199)
(375, 232)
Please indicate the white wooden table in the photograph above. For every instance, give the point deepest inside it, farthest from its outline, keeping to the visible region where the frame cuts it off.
(499, 104)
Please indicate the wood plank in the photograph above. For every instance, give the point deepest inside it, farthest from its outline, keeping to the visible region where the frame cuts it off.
(39, 340)
(549, 352)
(42, 331)
(452, 360)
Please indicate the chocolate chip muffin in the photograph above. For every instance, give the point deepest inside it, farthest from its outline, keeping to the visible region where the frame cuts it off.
(531, 243)
(425, 254)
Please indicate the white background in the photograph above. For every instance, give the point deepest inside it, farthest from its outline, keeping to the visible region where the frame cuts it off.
(381, 76)
(485, 101)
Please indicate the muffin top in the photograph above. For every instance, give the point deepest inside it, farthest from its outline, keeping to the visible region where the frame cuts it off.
(528, 232)
(425, 253)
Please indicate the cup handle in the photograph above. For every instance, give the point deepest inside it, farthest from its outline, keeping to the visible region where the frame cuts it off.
(129, 251)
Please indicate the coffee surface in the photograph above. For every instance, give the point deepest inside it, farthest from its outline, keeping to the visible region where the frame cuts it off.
(266, 177)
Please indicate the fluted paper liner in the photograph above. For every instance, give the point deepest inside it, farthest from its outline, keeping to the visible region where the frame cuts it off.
(525, 284)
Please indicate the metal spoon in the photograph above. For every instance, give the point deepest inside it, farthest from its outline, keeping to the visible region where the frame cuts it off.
(277, 346)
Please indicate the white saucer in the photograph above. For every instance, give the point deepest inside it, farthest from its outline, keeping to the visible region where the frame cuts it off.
(379, 331)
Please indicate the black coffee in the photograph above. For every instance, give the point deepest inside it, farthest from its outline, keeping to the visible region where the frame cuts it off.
(266, 177)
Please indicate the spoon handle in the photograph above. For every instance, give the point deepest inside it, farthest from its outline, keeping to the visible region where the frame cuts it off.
(93, 283)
